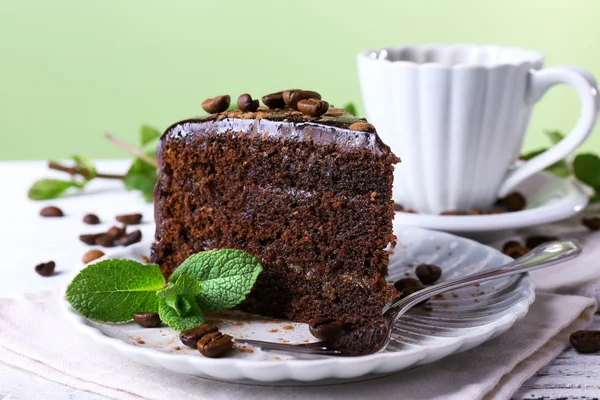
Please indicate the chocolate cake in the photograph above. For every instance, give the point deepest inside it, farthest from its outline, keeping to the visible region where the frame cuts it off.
(309, 195)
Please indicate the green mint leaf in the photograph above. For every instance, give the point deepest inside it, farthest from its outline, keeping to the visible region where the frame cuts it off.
(112, 290)
(148, 135)
(173, 302)
(226, 276)
(531, 154)
(596, 197)
(186, 285)
(587, 169)
(351, 109)
(142, 177)
(46, 189)
(555, 136)
(186, 303)
(560, 168)
(192, 318)
(85, 164)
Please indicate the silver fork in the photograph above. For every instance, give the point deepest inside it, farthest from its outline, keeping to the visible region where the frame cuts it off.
(375, 337)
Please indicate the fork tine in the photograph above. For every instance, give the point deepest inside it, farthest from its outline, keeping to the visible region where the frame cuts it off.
(289, 348)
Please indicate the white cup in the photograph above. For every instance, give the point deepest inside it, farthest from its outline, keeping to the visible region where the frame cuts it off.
(457, 114)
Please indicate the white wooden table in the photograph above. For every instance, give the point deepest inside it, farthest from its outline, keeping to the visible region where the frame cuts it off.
(24, 243)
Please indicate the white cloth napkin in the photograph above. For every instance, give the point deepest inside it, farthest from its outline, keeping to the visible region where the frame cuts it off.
(35, 336)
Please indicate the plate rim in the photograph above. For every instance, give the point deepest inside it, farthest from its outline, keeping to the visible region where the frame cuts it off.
(493, 329)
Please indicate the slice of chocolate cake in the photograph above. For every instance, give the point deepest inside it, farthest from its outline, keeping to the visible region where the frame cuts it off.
(308, 196)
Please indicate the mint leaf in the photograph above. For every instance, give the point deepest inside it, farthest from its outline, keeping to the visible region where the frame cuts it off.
(560, 168)
(86, 166)
(186, 285)
(45, 189)
(587, 169)
(226, 276)
(142, 177)
(351, 109)
(112, 290)
(531, 154)
(148, 135)
(555, 136)
(192, 318)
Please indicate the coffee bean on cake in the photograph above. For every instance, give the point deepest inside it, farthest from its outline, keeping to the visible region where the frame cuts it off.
(216, 104)
(51, 212)
(246, 104)
(190, 337)
(292, 97)
(45, 269)
(428, 274)
(214, 344)
(130, 219)
(274, 100)
(313, 107)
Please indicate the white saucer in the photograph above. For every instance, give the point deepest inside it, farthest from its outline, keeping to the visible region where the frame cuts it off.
(549, 198)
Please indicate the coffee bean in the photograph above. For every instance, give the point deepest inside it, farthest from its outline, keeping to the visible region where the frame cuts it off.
(191, 336)
(45, 269)
(89, 238)
(585, 341)
(91, 219)
(406, 283)
(362, 126)
(292, 97)
(133, 237)
(398, 207)
(454, 212)
(246, 104)
(105, 240)
(428, 274)
(91, 256)
(510, 244)
(147, 319)
(516, 251)
(593, 224)
(535, 241)
(129, 219)
(274, 100)
(515, 201)
(325, 328)
(214, 344)
(116, 232)
(51, 212)
(216, 104)
(313, 107)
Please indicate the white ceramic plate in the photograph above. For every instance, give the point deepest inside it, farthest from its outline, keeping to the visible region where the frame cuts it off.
(549, 198)
(451, 323)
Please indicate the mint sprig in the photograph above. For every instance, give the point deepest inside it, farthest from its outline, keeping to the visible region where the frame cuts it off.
(46, 189)
(112, 290)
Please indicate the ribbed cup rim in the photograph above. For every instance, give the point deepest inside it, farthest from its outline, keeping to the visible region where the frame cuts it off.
(452, 56)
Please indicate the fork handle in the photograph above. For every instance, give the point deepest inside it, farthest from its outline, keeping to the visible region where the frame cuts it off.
(542, 256)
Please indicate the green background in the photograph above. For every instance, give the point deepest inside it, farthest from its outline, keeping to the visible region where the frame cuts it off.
(71, 70)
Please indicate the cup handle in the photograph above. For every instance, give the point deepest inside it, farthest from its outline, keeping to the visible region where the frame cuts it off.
(540, 81)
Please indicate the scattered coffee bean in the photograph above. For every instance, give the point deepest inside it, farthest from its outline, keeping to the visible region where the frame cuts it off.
(408, 290)
(405, 283)
(89, 238)
(510, 244)
(191, 336)
(216, 104)
(428, 274)
(325, 328)
(398, 207)
(313, 107)
(586, 341)
(535, 241)
(454, 212)
(362, 126)
(133, 237)
(274, 100)
(45, 269)
(246, 104)
(147, 319)
(51, 212)
(116, 232)
(105, 240)
(92, 255)
(292, 97)
(516, 251)
(91, 219)
(129, 219)
(593, 224)
(214, 344)
(515, 201)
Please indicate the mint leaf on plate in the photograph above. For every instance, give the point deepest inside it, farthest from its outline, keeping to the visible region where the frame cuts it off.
(186, 285)
(226, 276)
(46, 189)
(176, 318)
(112, 290)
